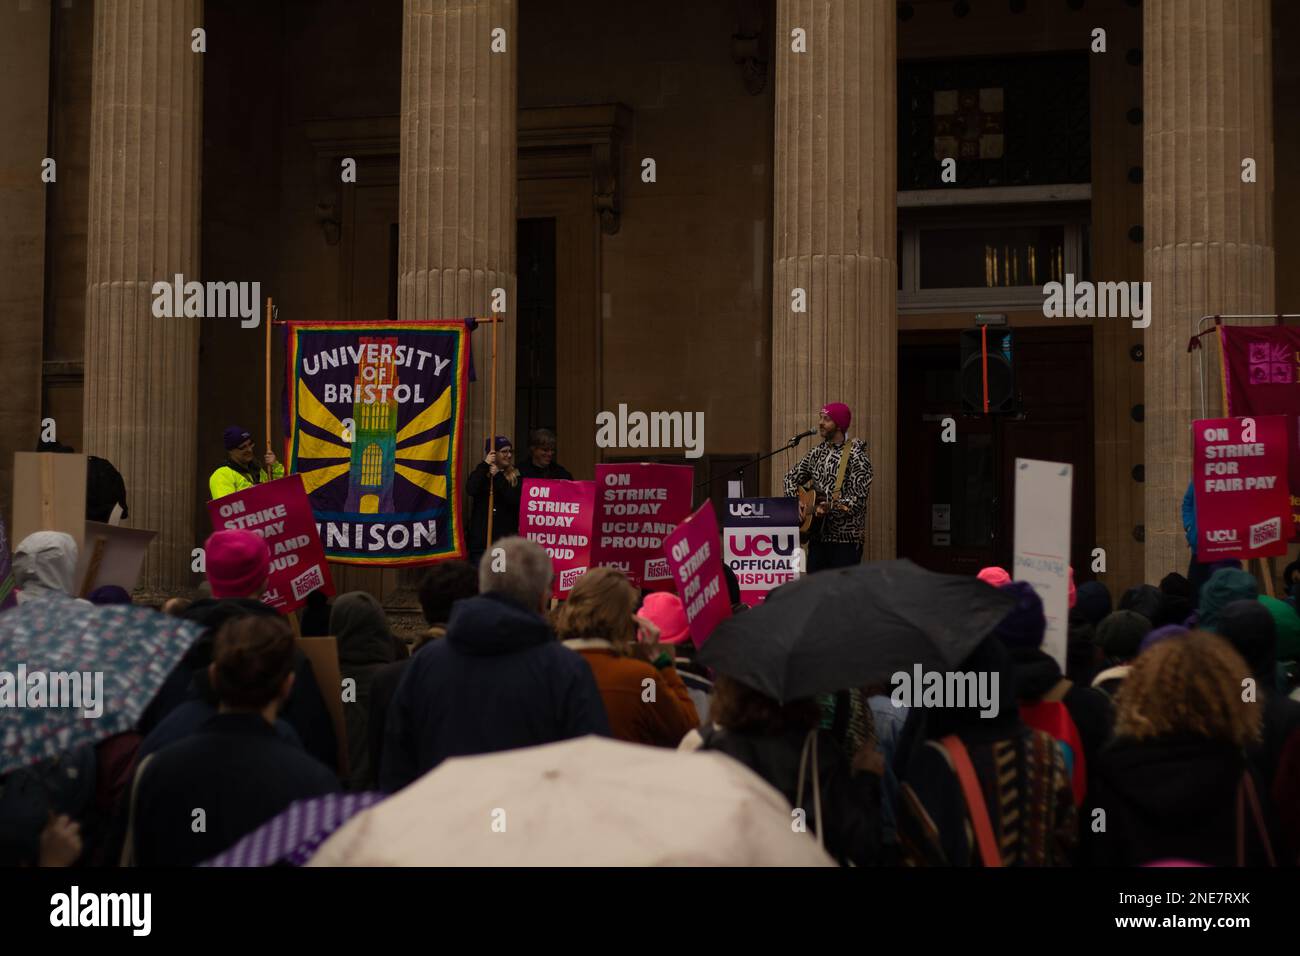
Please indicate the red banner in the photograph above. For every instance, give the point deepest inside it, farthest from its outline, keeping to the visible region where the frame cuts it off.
(637, 506)
(1261, 376)
(694, 552)
(279, 512)
(558, 515)
(1239, 468)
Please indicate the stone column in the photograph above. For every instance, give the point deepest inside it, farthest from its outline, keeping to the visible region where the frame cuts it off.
(24, 116)
(142, 371)
(1209, 236)
(836, 185)
(457, 218)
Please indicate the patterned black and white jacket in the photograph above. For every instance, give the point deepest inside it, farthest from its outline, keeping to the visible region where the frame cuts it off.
(822, 464)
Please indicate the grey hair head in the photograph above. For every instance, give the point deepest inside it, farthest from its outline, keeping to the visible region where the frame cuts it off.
(541, 438)
(524, 575)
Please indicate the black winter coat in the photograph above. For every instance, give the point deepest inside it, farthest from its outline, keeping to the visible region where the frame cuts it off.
(1171, 798)
(850, 803)
(497, 681)
(505, 507)
(552, 472)
(305, 709)
(237, 770)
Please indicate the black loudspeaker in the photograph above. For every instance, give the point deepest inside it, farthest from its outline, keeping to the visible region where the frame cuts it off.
(1001, 371)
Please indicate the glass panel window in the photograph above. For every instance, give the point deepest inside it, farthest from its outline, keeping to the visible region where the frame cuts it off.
(991, 258)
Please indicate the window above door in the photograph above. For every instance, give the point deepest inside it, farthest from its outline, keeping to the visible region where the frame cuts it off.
(989, 257)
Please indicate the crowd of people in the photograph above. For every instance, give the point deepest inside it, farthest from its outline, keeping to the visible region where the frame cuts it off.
(1171, 734)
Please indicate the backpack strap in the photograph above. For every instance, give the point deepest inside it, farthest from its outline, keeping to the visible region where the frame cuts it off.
(128, 845)
(970, 787)
(1246, 792)
(1058, 691)
(810, 746)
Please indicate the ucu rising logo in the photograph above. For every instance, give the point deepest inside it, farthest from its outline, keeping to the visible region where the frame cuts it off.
(746, 510)
(1221, 537)
(764, 544)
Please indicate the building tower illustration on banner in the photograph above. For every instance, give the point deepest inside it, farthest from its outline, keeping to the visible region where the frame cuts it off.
(374, 447)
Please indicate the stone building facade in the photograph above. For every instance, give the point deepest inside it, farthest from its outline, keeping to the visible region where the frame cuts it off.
(505, 144)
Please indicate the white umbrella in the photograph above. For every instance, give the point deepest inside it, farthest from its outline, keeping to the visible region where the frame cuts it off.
(585, 802)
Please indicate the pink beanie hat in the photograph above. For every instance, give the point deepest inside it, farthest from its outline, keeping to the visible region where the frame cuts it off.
(666, 612)
(839, 413)
(237, 563)
(994, 575)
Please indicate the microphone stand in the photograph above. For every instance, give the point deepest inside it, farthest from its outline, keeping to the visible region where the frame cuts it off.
(740, 470)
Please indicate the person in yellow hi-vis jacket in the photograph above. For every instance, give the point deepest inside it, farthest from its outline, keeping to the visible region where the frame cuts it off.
(238, 471)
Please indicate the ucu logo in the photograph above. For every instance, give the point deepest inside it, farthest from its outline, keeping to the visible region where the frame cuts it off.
(1221, 536)
(764, 544)
(746, 510)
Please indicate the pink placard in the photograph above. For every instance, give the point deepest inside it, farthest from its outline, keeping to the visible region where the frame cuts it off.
(694, 552)
(558, 515)
(279, 511)
(1239, 477)
(637, 505)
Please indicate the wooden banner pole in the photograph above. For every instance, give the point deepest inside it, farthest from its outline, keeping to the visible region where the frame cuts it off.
(269, 313)
(492, 434)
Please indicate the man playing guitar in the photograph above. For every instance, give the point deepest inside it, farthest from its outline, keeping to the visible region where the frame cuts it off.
(841, 488)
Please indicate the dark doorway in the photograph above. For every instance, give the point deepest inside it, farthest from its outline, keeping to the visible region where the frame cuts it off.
(956, 508)
(535, 339)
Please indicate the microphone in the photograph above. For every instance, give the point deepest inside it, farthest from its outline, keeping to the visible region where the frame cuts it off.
(802, 435)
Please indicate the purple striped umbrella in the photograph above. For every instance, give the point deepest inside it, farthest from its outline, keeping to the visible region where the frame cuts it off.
(293, 836)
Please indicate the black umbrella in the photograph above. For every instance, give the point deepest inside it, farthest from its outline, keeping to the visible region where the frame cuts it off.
(855, 626)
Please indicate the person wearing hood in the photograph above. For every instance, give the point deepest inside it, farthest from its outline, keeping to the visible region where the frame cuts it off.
(1093, 602)
(1248, 626)
(365, 645)
(499, 680)
(1143, 599)
(1038, 677)
(238, 563)
(1120, 635)
(1287, 624)
(782, 743)
(1175, 781)
(239, 471)
(1224, 586)
(1083, 657)
(599, 621)
(1019, 783)
(44, 565)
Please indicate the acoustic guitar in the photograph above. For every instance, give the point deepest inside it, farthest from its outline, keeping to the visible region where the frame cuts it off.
(810, 528)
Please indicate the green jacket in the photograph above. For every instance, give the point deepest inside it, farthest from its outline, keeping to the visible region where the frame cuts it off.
(226, 480)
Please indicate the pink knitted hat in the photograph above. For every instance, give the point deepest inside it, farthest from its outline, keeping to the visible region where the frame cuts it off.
(994, 575)
(666, 612)
(237, 562)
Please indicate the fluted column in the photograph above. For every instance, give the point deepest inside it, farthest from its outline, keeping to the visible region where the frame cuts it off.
(835, 190)
(457, 219)
(1209, 236)
(141, 371)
